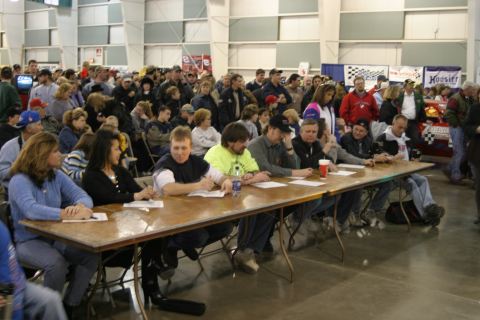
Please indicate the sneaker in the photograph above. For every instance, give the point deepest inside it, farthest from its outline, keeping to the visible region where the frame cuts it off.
(328, 223)
(344, 228)
(245, 259)
(370, 217)
(355, 220)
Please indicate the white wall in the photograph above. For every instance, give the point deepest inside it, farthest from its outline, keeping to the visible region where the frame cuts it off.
(117, 35)
(36, 20)
(197, 31)
(299, 28)
(165, 56)
(254, 7)
(96, 15)
(37, 54)
(164, 10)
(54, 40)
(374, 5)
(370, 53)
(252, 56)
(436, 25)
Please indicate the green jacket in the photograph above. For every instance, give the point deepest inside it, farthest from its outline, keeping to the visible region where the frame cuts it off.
(419, 105)
(9, 99)
(457, 110)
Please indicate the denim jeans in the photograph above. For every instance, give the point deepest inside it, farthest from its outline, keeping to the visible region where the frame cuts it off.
(55, 258)
(254, 231)
(419, 189)
(379, 199)
(42, 303)
(308, 209)
(459, 153)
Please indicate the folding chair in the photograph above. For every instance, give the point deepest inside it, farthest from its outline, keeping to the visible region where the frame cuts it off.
(131, 159)
(153, 157)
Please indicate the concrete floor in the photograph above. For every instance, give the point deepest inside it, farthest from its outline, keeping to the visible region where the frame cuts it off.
(388, 274)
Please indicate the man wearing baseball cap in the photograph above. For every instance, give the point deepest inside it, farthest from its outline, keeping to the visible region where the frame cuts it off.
(412, 107)
(29, 124)
(380, 79)
(274, 87)
(125, 92)
(46, 87)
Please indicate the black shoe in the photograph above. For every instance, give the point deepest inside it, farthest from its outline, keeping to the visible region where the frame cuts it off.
(191, 253)
(68, 310)
(170, 257)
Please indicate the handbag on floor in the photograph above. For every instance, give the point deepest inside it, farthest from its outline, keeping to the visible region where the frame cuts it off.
(394, 213)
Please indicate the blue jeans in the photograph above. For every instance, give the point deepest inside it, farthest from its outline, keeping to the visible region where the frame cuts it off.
(419, 189)
(308, 209)
(459, 153)
(42, 303)
(55, 258)
(379, 199)
(254, 231)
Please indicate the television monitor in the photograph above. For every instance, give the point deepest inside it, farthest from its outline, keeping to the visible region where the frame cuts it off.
(24, 82)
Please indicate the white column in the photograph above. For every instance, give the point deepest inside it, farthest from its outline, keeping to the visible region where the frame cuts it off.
(133, 24)
(14, 27)
(218, 19)
(473, 41)
(67, 26)
(329, 17)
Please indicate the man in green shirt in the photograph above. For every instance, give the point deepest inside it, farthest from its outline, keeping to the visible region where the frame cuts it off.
(9, 98)
(233, 152)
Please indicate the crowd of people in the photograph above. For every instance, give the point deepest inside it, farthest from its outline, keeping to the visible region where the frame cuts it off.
(69, 150)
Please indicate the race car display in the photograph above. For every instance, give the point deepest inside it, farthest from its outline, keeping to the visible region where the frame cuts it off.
(435, 133)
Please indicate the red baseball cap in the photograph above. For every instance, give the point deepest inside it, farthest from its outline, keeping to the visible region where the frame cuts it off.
(37, 102)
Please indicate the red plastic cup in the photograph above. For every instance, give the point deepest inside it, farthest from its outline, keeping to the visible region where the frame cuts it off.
(323, 167)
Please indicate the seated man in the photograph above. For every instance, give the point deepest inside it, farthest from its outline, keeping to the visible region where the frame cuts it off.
(360, 144)
(9, 130)
(158, 132)
(30, 300)
(179, 173)
(225, 157)
(337, 154)
(29, 124)
(396, 143)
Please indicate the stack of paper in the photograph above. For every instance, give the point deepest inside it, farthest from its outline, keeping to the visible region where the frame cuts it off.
(307, 183)
(96, 216)
(144, 204)
(342, 173)
(207, 194)
(269, 184)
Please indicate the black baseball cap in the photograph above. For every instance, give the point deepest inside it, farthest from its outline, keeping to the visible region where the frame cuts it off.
(45, 72)
(364, 123)
(275, 71)
(382, 78)
(280, 122)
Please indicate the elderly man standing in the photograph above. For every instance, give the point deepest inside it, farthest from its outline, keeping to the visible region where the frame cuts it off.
(458, 107)
(413, 108)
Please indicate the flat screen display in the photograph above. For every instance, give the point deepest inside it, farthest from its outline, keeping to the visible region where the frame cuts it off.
(24, 82)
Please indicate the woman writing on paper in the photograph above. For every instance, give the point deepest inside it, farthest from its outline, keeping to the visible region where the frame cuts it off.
(106, 181)
(39, 191)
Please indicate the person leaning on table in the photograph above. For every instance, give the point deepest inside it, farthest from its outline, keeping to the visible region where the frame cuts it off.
(395, 142)
(178, 173)
(38, 191)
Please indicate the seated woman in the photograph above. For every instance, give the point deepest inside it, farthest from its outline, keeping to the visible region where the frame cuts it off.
(75, 163)
(204, 136)
(39, 191)
(249, 119)
(108, 182)
(178, 173)
(75, 123)
(293, 121)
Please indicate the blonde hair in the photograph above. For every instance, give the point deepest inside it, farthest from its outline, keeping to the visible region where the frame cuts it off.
(73, 114)
(33, 157)
(181, 133)
(62, 80)
(110, 119)
(291, 113)
(200, 115)
(97, 101)
(146, 107)
(392, 92)
(62, 89)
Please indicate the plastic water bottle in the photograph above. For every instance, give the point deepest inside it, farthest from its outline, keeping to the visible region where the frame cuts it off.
(236, 182)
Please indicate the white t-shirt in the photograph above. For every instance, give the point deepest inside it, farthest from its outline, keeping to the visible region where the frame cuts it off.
(164, 177)
(408, 106)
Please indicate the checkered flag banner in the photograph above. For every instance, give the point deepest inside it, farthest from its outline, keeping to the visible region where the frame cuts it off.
(369, 73)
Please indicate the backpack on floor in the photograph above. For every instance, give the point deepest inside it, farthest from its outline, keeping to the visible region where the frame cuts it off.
(394, 213)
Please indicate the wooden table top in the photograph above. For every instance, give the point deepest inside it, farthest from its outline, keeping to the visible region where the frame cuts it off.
(127, 226)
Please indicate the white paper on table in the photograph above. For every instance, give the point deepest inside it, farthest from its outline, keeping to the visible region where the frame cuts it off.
(144, 204)
(269, 184)
(351, 166)
(96, 216)
(342, 173)
(307, 183)
(296, 178)
(207, 194)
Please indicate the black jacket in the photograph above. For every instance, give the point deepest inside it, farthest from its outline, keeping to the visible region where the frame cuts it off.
(207, 102)
(364, 148)
(186, 91)
(309, 154)
(388, 111)
(471, 124)
(270, 89)
(7, 132)
(121, 95)
(226, 106)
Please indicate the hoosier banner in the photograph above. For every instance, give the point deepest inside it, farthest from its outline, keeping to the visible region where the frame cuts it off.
(450, 76)
(402, 73)
(370, 73)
